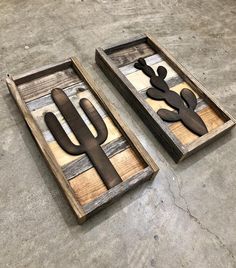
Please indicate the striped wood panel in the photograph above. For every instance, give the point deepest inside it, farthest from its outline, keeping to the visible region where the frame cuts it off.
(79, 171)
(141, 82)
(127, 55)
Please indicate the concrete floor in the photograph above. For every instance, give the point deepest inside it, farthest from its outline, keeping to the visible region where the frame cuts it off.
(186, 217)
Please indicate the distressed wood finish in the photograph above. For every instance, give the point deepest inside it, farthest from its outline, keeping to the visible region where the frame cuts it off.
(117, 62)
(75, 174)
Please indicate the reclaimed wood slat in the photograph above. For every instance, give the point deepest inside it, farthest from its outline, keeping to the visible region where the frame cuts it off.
(82, 164)
(43, 85)
(88, 185)
(98, 202)
(46, 99)
(127, 55)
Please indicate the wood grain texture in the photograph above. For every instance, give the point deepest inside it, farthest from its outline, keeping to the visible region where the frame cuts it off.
(88, 185)
(46, 99)
(108, 196)
(43, 85)
(127, 55)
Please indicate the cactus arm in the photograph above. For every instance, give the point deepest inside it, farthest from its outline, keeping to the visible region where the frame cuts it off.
(60, 135)
(71, 115)
(188, 96)
(95, 119)
(168, 115)
(156, 94)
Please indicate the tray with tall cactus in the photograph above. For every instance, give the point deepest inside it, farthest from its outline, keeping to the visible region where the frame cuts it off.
(84, 141)
(178, 110)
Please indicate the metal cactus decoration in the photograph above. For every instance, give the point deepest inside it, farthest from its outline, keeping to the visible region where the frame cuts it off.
(88, 143)
(161, 91)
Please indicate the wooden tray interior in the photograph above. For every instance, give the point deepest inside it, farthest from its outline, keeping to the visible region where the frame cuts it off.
(124, 57)
(78, 170)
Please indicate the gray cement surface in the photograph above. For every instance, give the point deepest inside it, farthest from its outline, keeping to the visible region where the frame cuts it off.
(185, 217)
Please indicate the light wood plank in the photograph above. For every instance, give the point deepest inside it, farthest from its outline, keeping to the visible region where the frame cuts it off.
(46, 99)
(88, 185)
(120, 189)
(210, 118)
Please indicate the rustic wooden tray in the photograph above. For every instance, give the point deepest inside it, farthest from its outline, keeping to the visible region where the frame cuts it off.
(77, 177)
(117, 62)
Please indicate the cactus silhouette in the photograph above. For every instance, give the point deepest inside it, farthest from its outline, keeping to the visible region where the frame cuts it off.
(185, 103)
(88, 143)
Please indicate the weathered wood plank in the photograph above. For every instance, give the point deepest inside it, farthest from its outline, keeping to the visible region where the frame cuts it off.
(88, 185)
(64, 158)
(46, 99)
(120, 189)
(125, 56)
(43, 85)
(82, 164)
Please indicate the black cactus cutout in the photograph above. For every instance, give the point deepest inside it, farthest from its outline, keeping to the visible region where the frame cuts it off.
(88, 143)
(185, 103)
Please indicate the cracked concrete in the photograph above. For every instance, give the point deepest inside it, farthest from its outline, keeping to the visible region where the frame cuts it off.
(186, 216)
(187, 210)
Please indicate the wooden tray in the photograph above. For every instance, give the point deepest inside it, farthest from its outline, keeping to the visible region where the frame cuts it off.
(117, 62)
(77, 177)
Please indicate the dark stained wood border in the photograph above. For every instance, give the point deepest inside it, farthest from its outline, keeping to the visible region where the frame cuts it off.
(150, 118)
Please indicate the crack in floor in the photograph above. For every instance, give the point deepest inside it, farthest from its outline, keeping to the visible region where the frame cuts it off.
(187, 210)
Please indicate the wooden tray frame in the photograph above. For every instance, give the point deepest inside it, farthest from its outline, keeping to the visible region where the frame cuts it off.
(82, 212)
(147, 114)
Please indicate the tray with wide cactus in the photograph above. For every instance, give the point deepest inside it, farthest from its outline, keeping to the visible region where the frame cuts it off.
(179, 111)
(93, 155)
